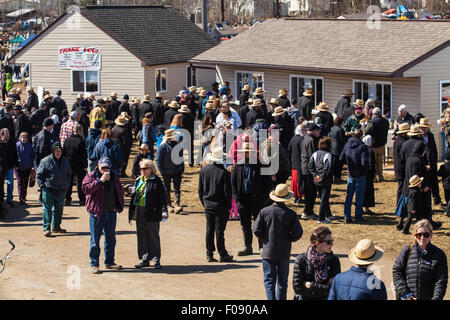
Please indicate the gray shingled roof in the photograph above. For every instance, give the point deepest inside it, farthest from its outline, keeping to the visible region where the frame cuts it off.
(333, 45)
(155, 34)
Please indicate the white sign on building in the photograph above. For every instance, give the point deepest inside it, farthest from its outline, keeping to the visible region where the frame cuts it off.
(79, 58)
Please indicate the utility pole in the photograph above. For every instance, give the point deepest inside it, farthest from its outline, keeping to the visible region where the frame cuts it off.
(277, 8)
(205, 15)
(222, 10)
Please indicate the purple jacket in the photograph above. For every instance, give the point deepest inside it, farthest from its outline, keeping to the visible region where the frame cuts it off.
(94, 191)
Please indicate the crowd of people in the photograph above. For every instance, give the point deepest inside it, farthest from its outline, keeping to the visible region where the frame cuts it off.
(247, 152)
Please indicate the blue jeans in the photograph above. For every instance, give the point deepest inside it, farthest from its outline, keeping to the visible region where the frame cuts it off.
(105, 224)
(52, 209)
(358, 185)
(276, 271)
(9, 185)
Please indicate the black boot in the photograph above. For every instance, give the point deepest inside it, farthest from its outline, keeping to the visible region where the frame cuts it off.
(400, 224)
(407, 223)
(248, 239)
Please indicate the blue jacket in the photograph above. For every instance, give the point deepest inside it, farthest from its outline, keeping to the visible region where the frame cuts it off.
(108, 148)
(25, 155)
(164, 160)
(149, 141)
(356, 155)
(91, 141)
(357, 284)
(54, 175)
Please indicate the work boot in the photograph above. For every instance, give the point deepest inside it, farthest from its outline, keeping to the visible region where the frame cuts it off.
(177, 208)
(248, 240)
(169, 204)
(245, 252)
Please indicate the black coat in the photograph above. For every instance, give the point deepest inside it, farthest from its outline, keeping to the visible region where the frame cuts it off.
(399, 167)
(406, 150)
(294, 149)
(168, 117)
(308, 147)
(252, 116)
(4, 158)
(125, 107)
(243, 111)
(155, 200)
(143, 108)
(76, 105)
(243, 98)
(431, 150)
(75, 151)
(408, 119)
(214, 188)
(42, 145)
(114, 108)
(379, 131)
(260, 185)
(415, 165)
(121, 135)
(305, 106)
(23, 124)
(342, 105)
(287, 125)
(284, 102)
(424, 276)
(444, 172)
(188, 123)
(32, 102)
(348, 112)
(6, 121)
(338, 140)
(134, 109)
(158, 111)
(304, 272)
(83, 111)
(326, 119)
(60, 106)
(38, 117)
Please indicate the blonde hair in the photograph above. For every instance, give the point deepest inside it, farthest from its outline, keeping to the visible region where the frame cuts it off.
(77, 128)
(424, 223)
(177, 121)
(148, 164)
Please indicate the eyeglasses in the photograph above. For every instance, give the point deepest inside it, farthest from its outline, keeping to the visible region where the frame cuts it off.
(328, 242)
(426, 235)
(105, 168)
(144, 168)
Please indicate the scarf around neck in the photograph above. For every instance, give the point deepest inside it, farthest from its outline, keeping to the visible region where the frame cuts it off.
(320, 263)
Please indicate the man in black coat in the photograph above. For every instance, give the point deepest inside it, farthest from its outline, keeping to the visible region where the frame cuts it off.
(23, 123)
(75, 151)
(250, 191)
(143, 108)
(40, 114)
(403, 117)
(326, 118)
(245, 95)
(59, 104)
(306, 104)
(380, 127)
(308, 147)
(77, 103)
(84, 121)
(169, 114)
(399, 169)
(432, 158)
(114, 106)
(6, 120)
(338, 140)
(125, 106)
(188, 124)
(344, 103)
(121, 134)
(286, 125)
(294, 149)
(43, 141)
(158, 110)
(214, 192)
(32, 101)
(255, 113)
(283, 101)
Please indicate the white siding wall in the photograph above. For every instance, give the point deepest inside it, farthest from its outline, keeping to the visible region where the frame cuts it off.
(431, 71)
(121, 71)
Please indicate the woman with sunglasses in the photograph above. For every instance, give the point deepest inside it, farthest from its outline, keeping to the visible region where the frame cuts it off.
(420, 271)
(148, 207)
(315, 269)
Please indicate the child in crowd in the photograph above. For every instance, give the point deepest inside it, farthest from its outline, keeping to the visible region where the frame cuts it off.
(415, 201)
(144, 153)
(444, 172)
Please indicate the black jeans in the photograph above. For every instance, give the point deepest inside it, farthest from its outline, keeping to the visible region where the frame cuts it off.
(434, 184)
(247, 210)
(176, 178)
(80, 176)
(399, 189)
(324, 192)
(310, 193)
(337, 167)
(216, 222)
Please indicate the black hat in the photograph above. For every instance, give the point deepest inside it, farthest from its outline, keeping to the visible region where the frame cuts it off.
(312, 127)
(98, 124)
(126, 97)
(48, 122)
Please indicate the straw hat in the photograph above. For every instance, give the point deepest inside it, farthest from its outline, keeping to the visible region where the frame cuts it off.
(125, 114)
(18, 103)
(414, 130)
(174, 104)
(246, 87)
(13, 90)
(211, 98)
(278, 111)
(309, 92)
(210, 106)
(258, 91)
(184, 109)
(348, 93)
(202, 93)
(217, 154)
(246, 147)
(170, 133)
(250, 101)
(121, 120)
(403, 128)
(48, 96)
(159, 95)
(144, 147)
(192, 89)
(80, 96)
(322, 106)
(274, 101)
(359, 102)
(137, 100)
(114, 94)
(424, 122)
(146, 98)
(8, 101)
(365, 253)
(31, 89)
(91, 97)
(415, 180)
(281, 193)
(107, 99)
(256, 103)
(282, 92)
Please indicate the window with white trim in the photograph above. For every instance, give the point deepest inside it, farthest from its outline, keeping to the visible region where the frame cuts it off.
(161, 80)
(191, 76)
(85, 81)
(254, 79)
(444, 93)
(299, 84)
(380, 92)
